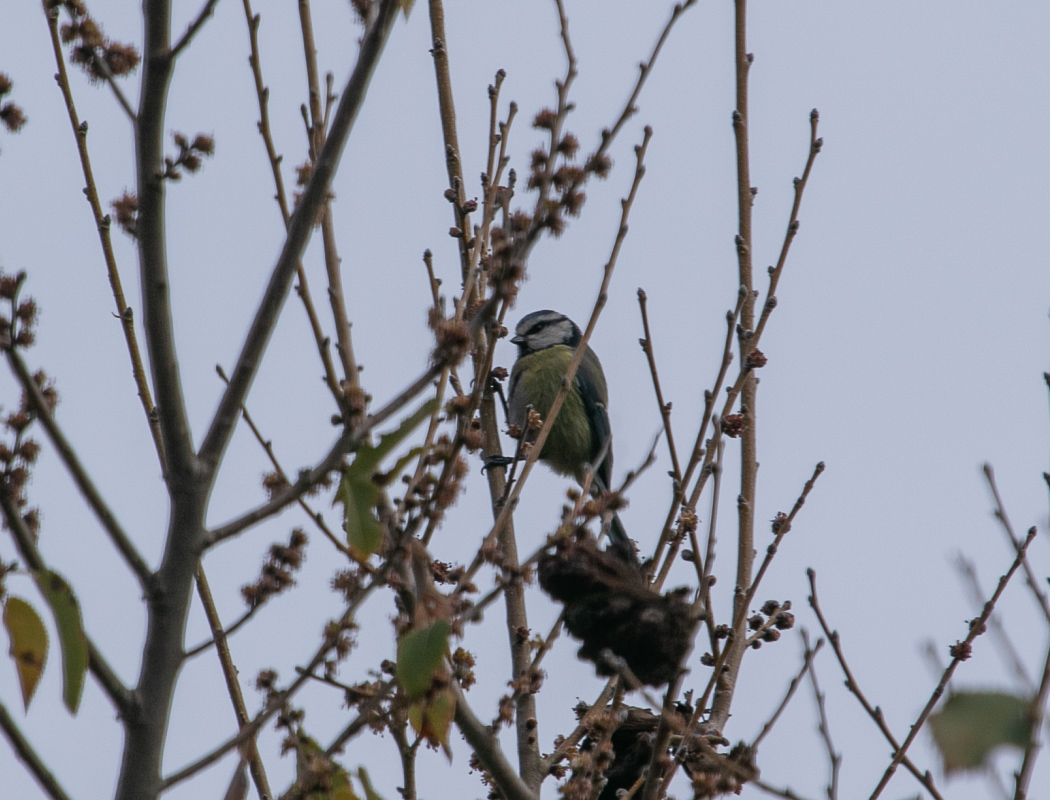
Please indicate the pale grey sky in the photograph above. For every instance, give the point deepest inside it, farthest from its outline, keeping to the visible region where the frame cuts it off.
(907, 348)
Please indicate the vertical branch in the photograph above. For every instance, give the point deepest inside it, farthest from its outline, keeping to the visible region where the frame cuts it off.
(151, 237)
(332, 261)
(748, 448)
(168, 607)
(448, 131)
(529, 760)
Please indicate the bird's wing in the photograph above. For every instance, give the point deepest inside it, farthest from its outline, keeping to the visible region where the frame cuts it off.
(594, 395)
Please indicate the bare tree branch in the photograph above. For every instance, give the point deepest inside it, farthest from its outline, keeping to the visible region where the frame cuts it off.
(1000, 514)
(80, 476)
(486, 746)
(926, 779)
(807, 661)
(1036, 715)
(347, 441)
(825, 730)
(102, 222)
(28, 756)
(194, 28)
(300, 228)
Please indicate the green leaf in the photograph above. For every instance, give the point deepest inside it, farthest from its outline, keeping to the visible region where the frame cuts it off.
(419, 654)
(364, 534)
(370, 793)
(970, 725)
(359, 488)
(66, 611)
(369, 456)
(28, 644)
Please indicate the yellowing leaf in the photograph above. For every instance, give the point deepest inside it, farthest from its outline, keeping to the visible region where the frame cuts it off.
(419, 654)
(970, 725)
(28, 644)
(431, 718)
(359, 488)
(66, 611)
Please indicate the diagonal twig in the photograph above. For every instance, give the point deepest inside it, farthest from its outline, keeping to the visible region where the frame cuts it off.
(28, 756)
(102, 222)
(351, 438)
(314, 196)
(960, 652)
(807, 662)
(80, 476)
(926, 779)
(194, 27)
(1000, 514)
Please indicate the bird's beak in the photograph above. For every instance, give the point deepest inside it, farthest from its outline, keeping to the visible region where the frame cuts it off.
(517, 340)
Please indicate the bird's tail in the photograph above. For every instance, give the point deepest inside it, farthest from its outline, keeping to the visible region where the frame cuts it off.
(620, 543)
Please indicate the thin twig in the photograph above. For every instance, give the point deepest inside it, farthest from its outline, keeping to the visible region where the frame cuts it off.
(926, 779)
(194, 28)
(665, 408)
(233, 686)
(102, 222)
(1004, 645)
(308, 478)
(111, 81)
(1000, 514)
(318, 133)
(582, 727)
(299, 231)
(28, 756)
(1036, 715)
(825, 730)
(447, 109)
(782, 526)
(699, 452)
(807, 661)
(775, 791)
(745, 550)
(80, 475)
(227, 632)
(315, 516)
(364, 717)
(960, 651)
(303, 286)
(279, 700)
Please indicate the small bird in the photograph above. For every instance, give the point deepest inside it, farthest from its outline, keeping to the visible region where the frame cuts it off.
(546, 341)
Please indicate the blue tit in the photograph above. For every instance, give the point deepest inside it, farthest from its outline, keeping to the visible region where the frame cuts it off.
(546, 342)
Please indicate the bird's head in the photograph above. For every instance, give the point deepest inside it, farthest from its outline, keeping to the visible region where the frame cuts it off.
(542, 329)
